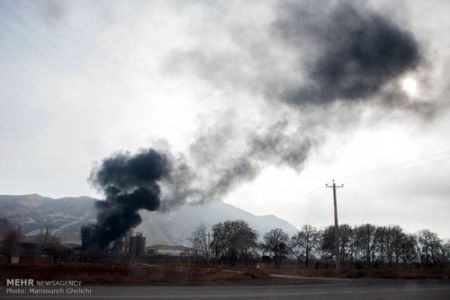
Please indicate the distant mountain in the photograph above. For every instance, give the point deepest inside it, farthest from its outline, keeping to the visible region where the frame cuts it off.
(5, 227)
(65, 216)
(34, 213)
(175, 227)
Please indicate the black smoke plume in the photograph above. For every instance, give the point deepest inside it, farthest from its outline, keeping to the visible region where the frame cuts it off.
(343, 53)
(130, 183)
(337, 58)
(313, 53)
(355, 51)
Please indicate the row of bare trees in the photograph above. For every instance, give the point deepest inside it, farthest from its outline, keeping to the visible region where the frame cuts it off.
(381, 244)
(235, 241)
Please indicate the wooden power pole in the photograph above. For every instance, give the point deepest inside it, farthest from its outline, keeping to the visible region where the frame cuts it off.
(336, 226)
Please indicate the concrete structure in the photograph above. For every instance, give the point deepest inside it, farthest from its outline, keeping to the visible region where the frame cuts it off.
(137, 245)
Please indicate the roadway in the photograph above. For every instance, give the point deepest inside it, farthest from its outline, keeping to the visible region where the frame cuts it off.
(366, 290)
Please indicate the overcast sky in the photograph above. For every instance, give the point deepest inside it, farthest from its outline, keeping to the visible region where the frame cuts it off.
(81, 80)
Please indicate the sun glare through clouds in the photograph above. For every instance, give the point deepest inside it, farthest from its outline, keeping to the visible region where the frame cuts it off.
(410, 86)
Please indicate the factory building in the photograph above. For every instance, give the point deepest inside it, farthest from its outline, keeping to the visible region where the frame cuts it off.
(137, 246)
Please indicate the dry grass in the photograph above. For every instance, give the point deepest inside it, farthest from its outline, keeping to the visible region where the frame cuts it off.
(126, 274)
(144, 274)
(395, 273)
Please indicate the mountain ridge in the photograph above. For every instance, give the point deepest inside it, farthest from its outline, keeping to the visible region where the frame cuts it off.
(64, 217)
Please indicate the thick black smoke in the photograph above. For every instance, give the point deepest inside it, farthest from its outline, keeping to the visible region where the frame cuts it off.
(343, 53)
(314, 52)
(355, 51)
(130, 183)
(314, 56)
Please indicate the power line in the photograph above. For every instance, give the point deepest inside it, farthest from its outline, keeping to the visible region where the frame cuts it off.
(443, 156)
(304, 196)
(392, 169)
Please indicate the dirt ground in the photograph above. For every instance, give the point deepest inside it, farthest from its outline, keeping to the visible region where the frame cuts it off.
(384, 272)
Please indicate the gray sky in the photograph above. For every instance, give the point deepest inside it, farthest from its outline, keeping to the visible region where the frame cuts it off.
(80, 80)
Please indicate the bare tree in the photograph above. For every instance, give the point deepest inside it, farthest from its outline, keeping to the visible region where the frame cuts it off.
(346, 245)
(408, 249)
(380, 241)
(389, 243)
(276, 242)
(233, 240)
(446, 251)
(364, 238)
(305, 241)
(396, 237)
(346, 242)
(429, 247)
(327, 243)
(199, 241)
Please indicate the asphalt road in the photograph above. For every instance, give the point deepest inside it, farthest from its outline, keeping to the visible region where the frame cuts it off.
(335, 291)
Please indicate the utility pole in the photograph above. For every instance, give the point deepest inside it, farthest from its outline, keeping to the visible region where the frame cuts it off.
(336, 226)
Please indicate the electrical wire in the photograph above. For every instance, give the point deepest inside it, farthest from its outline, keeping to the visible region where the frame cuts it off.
(398, 167)
(366, 175)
